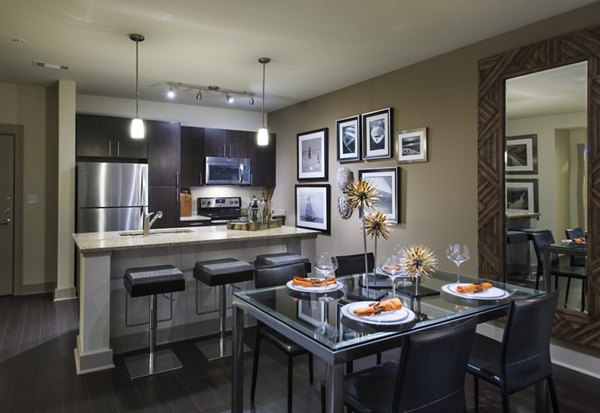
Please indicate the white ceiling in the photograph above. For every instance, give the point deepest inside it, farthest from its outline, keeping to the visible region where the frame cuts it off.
(317, 46)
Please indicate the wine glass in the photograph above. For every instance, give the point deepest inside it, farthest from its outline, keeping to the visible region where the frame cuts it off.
(458, 253)
(392, 267)
(326, 264)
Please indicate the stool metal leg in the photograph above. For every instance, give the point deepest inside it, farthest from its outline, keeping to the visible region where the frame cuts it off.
(154, 362)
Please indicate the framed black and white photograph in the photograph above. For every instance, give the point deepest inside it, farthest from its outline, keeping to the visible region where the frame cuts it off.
(312, 155)
(377, 133)
(521, 154)
(313, 207)
(412, 145)
(348, 139)
(521, 195)
(388, 189)
(311, 312)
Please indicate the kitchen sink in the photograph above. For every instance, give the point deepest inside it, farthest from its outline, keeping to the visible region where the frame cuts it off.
(155, 232)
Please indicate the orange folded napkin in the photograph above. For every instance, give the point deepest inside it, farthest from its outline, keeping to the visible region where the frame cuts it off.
(473, 288)
(578, 240)
(376, 308)
(313, 282)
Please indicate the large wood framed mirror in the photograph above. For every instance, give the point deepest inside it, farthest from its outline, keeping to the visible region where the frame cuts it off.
(580, 46)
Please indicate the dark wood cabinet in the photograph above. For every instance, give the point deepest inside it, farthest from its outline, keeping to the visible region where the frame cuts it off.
(163, 153)
(165, 199)
(215, 142)
(262, 163)
(238, 143)
(107, 137)
(192, 156)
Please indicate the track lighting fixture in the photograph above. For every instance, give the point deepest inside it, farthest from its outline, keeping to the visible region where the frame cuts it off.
(230, 94)
(171, 93)
(262, 137)
(138, 130)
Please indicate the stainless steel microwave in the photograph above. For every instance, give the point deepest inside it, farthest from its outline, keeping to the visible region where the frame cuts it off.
(227, 171)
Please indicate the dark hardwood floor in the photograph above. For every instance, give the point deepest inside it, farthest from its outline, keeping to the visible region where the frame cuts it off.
(37, 374)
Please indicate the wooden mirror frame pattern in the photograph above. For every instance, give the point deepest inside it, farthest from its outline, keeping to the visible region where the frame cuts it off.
(582, 45)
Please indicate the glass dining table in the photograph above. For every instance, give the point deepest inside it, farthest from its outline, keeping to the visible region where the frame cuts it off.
(323, 322)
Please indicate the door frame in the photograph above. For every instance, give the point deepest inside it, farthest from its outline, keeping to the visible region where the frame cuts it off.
(17, 132)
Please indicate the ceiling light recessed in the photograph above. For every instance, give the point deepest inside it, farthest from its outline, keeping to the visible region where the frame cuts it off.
(37, 63)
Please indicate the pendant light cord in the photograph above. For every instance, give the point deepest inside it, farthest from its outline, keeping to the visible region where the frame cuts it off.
(263, 95)
(137, 89)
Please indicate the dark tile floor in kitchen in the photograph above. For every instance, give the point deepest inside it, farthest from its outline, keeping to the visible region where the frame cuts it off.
(37, 374)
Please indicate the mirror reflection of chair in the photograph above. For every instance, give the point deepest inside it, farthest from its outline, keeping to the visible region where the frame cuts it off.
(572, 233)
(270, 276)
(430, 376)
(540, 240)
(523, 356)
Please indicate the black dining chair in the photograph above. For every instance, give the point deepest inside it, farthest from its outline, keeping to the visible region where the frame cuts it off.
(540, 240)
(523, 356)
(571, 233)
(354, 264)
(270, 276)
(430, 376)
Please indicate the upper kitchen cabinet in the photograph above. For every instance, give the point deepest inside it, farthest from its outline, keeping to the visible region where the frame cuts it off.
(192, 156)
(164, 148)
(226, 143)
(262, 162)
(107, 137)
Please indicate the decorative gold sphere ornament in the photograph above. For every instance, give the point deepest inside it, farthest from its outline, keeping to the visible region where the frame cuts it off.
(362, 195)
(419, 261)
(377, 225)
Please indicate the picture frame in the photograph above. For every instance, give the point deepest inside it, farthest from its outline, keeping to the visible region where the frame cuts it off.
(388, 189)
(521, 195)
(311, 312)
(412, 145)
(313, 207)
(312, 155)
(521, 155)
(376, 134)
(348, 139)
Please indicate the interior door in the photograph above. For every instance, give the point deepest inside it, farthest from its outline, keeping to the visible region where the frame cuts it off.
(7, 171)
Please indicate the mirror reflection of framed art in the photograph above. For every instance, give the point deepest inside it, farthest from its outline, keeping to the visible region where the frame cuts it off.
(521, 154)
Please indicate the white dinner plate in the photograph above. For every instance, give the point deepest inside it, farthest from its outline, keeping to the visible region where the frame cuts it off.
(325, 289)
(400, 316)
(493, 293)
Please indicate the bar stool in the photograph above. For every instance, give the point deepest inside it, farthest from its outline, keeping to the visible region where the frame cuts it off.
(219, 273)
(151, 281)
(282, 258)
(514, 237)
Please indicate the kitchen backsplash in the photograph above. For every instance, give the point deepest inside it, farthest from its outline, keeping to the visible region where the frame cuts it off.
(245, 193)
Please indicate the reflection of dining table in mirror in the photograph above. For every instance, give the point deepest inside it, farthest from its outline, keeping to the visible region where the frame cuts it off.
(347, 337)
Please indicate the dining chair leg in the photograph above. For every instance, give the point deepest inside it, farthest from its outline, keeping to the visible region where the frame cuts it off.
(553, 396)
(310, 368)
(505, 403)
(378, 357)
(583, 293)
(567, 291)
(255, 366)
(289, 383)
(476, 392)
(349, 367)
(537, 279)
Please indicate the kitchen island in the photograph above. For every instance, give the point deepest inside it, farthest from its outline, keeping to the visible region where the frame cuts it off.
(104, 257)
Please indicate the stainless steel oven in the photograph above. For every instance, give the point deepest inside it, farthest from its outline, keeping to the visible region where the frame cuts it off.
(227, 171)
(220, 210)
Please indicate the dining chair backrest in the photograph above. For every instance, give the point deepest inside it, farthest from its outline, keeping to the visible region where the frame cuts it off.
(354, 264)
(525, 355)
(270, 276)
(432, 368)
(574, 233)
(540, 240)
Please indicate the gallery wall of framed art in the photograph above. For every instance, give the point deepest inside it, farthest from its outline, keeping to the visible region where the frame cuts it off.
(312, 155)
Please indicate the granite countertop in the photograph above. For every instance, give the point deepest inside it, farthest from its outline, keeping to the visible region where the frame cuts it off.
(114, 241)
(195, 218)
(519, 214)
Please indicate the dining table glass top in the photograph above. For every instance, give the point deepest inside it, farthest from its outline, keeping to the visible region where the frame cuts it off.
(326, 315)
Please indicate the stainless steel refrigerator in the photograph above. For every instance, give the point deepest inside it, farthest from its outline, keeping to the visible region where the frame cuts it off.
(111, 196)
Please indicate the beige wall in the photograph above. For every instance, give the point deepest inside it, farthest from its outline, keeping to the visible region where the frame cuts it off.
(438, 202)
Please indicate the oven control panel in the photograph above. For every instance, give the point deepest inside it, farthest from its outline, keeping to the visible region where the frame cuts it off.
(223, 202)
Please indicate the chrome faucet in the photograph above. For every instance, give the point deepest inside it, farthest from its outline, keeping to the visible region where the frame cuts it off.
(148, 223)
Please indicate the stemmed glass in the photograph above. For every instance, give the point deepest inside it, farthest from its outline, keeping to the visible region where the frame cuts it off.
(326, 264)
(392, 267)
(458, 253)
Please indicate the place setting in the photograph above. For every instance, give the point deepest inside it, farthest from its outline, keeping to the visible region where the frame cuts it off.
(324, 284)
(377, 315)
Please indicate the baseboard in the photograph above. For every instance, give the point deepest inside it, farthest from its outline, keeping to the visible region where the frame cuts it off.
(68, 293)
(40, 288)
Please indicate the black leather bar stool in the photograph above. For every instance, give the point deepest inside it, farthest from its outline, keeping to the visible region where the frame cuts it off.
(220, 272)
(151, 281)
(514, 237)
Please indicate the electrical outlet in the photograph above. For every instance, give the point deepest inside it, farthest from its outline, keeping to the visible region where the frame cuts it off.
(32, 199)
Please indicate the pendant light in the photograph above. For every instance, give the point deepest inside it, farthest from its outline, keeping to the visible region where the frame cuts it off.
(262, 137)
(137, 125)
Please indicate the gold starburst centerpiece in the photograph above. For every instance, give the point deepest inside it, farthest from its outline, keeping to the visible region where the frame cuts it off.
(377, 225)
(361, 194)
(419, 261)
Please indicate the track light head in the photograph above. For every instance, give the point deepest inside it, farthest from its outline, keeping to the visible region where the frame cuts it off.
(199, 95)
(171, 93)
(251, 100)
(229, 98)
